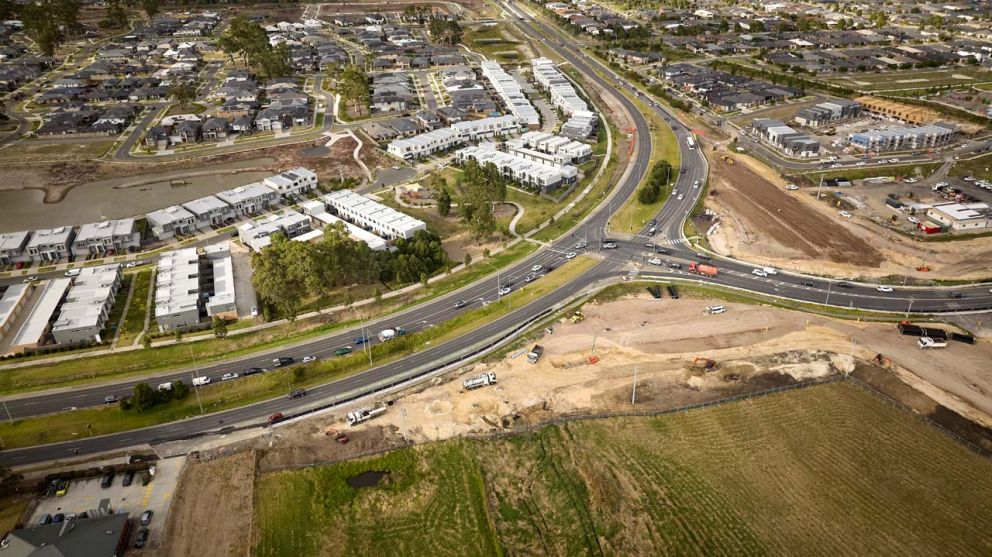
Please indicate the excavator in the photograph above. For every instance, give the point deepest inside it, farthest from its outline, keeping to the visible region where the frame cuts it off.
(705, 364)
(338, 436)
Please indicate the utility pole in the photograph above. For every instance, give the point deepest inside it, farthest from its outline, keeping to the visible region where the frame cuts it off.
(633, 392)
(193, 376)
(829, 285)
(910, 308)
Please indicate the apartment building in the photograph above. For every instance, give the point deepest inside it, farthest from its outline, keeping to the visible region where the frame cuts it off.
(321, 219)
(563, 94)
(50, 244)
(249, 199)
(172, 221)
(222, 303)
(571, 151)
(904, 139)
(510, 91)
(107, 237)
(209, 211)
(12, 247)
(442, 139)
(533, 172)
(87, 306)
(258, 234)
(828, 112)
(785, 138)
(384, 221)
(35, 329)
(293, 182)
(177, 289)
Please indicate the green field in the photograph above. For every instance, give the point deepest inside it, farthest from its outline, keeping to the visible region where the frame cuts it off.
(979, 167)
(911, 79)
(821, 471)
(494, 43)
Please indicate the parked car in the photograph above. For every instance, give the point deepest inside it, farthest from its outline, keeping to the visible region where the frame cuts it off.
(47, 519)
(845, 214)
(146, 517)
(108, 479)
(141, 539)
(61, 487)
(276, 418)
(127, 478)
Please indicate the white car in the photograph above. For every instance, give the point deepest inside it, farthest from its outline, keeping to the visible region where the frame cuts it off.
(536, 268)
(228, 376)
(940, 184)
(504, 291)
(883, 288)
(792, 187)
(696, 185)
(835, 165)
(969, 178)
(580, 245)
(759, 273)
(680, 197)
(862, 163)
(845, 214)
(29, 279)
(307, 359)
(654, 261)
(910, 181)
(913, 220)
(570, 255)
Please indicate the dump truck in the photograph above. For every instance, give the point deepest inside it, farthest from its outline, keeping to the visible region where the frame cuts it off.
(390, 334)
(365, 414)
(480, 381)
(535, 353)
(703, 269)
(926, 343)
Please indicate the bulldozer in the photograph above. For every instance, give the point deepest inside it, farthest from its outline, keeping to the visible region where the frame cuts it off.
(705, 364)
(578, 316)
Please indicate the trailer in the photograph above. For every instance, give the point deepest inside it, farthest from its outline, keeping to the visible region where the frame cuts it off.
(535, 353)
(365, 414)
(390, 334)
(480, 381)
(911, 330)
(967, 339)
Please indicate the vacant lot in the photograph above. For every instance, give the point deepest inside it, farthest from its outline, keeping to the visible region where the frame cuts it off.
(814, 472)
(494, 42)
(911, 79)
(30, 151)
(979, 167)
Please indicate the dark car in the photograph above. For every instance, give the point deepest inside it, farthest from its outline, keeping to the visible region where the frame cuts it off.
(58, 517)
(112, 399)
(674, 265)
(128, 478)
(108, 479)
(298, 393)
(460, 304)
(661, 250)
(361, 340)
(343, 351)
(252, 371)
(284, 361)
(653, 222)
(808, 283)
(845, 285)
(141, 539)
(703, 257)
(955, 295)
(47, 519)
(146, 518)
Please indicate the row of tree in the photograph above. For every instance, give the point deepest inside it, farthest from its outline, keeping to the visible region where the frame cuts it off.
(144, 397)
(445, 31)
(353, 86)
(661, 175)
(481, 187)
(287, 272)
(248, 40)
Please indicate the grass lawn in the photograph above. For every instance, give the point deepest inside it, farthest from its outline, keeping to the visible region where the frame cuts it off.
(980, 167)
(33, 151)
(134, 320)
(222, 396)
(795, 473)
(191, 108)
(912, 79)
(493, 42)
(11, 509)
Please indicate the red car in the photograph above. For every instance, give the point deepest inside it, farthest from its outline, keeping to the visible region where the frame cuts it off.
(276, 418)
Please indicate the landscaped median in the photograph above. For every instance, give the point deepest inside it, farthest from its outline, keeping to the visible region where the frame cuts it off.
(247, 390)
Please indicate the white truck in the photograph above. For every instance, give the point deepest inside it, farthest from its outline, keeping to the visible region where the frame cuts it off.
(690, 141)
(479, 381)
(535, 353)
(390, 334)
(770, 270)
(201, 381)
(365, 414)
(926, 343)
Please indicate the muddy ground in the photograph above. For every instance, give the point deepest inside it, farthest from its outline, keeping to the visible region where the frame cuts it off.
(764, 223)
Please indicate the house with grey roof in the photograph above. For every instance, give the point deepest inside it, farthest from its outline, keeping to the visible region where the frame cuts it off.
(12, 246)
(249, 199)
(100, 238)
(209, 211)
(75, 537)
(167, 223)
(50, 244)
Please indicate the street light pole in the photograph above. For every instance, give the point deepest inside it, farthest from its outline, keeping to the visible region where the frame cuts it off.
(193, 376)
(829, 285)
(910, 308)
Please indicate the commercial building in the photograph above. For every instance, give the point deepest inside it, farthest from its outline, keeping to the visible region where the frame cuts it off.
(249, 199)
(904, 139)
(222, 303)
(209, 211)
(292, 182)
(102, 238)
(321, 219)
(177, 289)
(827, 112)
(384, 221)
(960, 216)
(35, 328)
(87, 305)
(257, 234)
(571, 151)
(785, 138)
(171, 221)
(511, 93)
(530, 172)
(50, 244)
(75, 537)
(442, 139)
(12, 246)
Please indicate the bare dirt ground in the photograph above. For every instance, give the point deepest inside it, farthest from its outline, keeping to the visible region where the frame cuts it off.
(764, 223)
(212, 508)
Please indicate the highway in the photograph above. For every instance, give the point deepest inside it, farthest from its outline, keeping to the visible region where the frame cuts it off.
(630, 254)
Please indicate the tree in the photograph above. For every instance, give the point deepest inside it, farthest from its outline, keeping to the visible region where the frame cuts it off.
(444, 203)
(249, 41)
(281, 274)
(446, 32)
(146, 341)
(116, 16)
(220, 327)
(757, 26)
(144, 398)
(182, 92)
(468, 259)
(179, 390)
(50, 22)
(150, 7)
(353, 86)
(179, 335)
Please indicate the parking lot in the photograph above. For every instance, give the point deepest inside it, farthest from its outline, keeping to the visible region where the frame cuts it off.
(85, 495)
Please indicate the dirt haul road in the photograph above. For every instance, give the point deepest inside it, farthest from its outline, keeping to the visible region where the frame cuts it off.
(764, 223)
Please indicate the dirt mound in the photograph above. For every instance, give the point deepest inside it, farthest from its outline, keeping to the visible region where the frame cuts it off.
(307, 443)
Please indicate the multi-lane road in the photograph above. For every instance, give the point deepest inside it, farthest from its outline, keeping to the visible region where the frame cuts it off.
(630, 254)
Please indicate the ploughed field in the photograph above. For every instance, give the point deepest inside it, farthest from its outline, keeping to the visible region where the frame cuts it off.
(825, 470)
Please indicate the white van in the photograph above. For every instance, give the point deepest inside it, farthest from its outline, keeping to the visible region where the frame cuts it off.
(201, 381)
(770, 270)
(713, 310)
(73, 272)
(165, 387)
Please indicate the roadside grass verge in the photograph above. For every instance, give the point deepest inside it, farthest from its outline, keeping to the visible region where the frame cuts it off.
(247, 390)
(858, 173)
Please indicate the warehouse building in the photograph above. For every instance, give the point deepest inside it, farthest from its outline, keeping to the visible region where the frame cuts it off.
(171, 221)
(87, 305)
(50, 244)
(960, 216)
(511, 93)
(293, 182)
(785, 138)
(828, 112)
(107, 237)
(383, 221)
(177, 289)
(321, 219)
(256, 235)
(527, 172)
(904, 139)
(12, 247)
